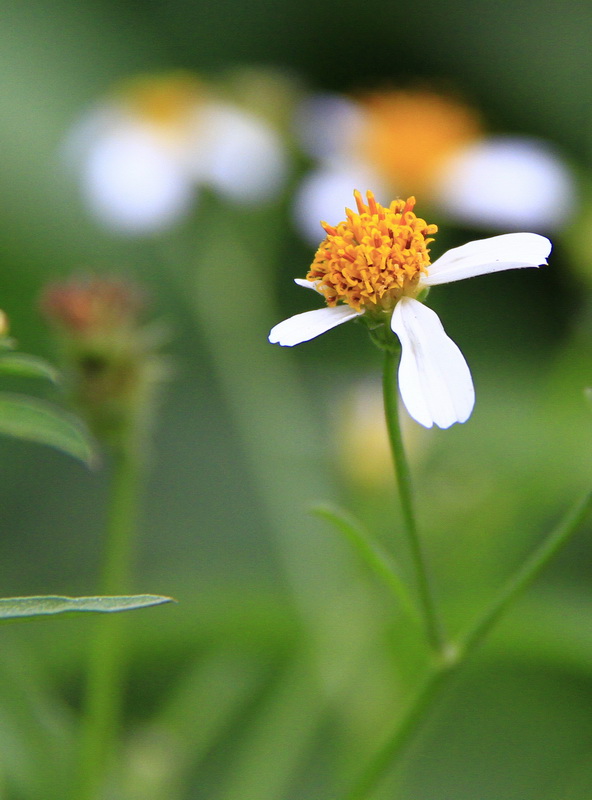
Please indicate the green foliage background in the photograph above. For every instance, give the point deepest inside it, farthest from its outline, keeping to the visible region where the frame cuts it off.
(283, 665)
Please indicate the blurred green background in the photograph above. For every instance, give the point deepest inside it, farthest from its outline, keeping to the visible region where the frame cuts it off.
(284, 665)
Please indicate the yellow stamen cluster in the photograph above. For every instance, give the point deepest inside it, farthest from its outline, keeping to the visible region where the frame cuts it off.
(374, 257)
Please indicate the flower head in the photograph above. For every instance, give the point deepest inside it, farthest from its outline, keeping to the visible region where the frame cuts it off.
(375, 265)
(374, 257)
(435, 144)
(145, 150)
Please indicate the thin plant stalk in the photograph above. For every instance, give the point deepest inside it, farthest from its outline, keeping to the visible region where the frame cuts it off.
(440, 676)
(107, 657)
(432, 622)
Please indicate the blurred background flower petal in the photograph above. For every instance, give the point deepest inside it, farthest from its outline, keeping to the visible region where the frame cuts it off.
(238, 154)
(324, 194)
(327, 125)
(508, 182)
(132, 185)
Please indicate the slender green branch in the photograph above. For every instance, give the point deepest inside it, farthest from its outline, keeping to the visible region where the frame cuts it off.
(387, 755)
(403, 475)
(525, 575)
(440, 676)
(103, 691)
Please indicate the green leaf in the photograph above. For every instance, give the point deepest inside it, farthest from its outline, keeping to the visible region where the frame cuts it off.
(26, 366)
(37, 421)
(13, 608)
(371, 553)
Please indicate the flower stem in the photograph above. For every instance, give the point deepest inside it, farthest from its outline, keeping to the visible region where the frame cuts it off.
(525, 575)
(103, 690)
(403, 475)
(441, 674)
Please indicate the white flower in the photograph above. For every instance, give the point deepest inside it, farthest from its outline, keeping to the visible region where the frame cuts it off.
(435, 144)
(143, 154)
(376, 263)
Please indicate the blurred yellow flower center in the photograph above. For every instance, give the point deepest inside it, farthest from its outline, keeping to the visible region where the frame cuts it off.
(409, 136)
(374, 257)
(164, 101)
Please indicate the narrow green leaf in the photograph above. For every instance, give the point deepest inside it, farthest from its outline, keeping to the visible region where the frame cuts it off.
(12, 608)
(371, 553)
(37, 421)
(23, 365)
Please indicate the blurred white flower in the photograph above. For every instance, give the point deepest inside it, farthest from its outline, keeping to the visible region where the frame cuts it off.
(376, 265)
(143, 153)
(431, 144)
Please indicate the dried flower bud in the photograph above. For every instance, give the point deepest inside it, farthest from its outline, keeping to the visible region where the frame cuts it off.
(109, 355)
(90, 306)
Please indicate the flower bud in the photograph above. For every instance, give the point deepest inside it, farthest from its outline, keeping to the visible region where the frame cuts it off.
(109, 355)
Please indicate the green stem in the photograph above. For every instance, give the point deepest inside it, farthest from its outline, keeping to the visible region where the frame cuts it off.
(103, 691)
(386, 757)
(403, 475)
(525, 575)
(440, 676)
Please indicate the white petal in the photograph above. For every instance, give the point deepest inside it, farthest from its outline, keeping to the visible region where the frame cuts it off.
(306, 284)
(325, 193)
(328, 125)
(509, 251)
(239, 154)
(134, 185)
(303, 327)
(434, 379)
(508, 183)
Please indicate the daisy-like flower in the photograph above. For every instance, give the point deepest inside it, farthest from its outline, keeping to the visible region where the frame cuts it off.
(143, 153)
(434, 144)
(375, 265)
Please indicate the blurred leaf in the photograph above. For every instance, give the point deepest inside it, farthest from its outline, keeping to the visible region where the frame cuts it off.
(37, 421)
(370, 552)
(12, 608)
(37, 731)
(26, 366)
(278, 740)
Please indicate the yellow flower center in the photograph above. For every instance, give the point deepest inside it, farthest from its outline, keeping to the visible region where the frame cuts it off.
(165, 101)
(374, 257)
(409, 136)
